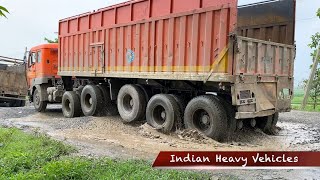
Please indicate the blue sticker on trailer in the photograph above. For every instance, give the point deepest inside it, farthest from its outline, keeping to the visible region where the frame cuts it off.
(130, 56)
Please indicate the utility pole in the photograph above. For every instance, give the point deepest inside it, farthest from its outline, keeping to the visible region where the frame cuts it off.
(311, 78)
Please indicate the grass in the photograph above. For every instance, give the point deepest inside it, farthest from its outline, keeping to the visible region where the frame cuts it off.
(297, 100)
(26, 156)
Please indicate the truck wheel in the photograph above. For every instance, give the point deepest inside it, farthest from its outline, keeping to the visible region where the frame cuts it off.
(231, 114)
(19, 103)
(162, 112)
(23, 103)
(39, 105)
(91, 100)
(146, 92)
(109, 108)
(182, 106)
(12, 103)
(71, 104)
(207, 115)
(268, 124)
(131, 103)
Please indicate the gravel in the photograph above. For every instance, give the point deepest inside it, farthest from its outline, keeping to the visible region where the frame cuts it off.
(108, 136)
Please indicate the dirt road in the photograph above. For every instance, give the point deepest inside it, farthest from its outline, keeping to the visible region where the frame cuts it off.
(108, 136)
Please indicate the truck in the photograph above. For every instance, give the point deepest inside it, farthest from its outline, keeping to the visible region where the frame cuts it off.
(205, 65)
(12, 71)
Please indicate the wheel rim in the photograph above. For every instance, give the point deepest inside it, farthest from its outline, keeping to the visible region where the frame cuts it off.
(202, 120)
(36, 100)
(88, 101)
(128, 103)
(159, 114)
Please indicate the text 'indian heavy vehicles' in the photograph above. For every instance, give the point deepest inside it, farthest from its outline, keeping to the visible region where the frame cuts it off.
(198, 64)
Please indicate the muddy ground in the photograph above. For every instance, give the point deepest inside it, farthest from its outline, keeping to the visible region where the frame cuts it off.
(108, 136)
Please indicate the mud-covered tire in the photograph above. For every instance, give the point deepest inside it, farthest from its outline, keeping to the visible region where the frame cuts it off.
(109, 108)
(16, 103)
(131, 103)
(71, 104)
(91, 100)
(231, 114)
(268, 123)
(162, 112)
(180, 115)
(23, 103)
(20, 103)
(39, 105)
(207, 115)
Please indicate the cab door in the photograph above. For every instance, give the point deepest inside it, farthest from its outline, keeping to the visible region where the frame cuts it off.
(31, 73)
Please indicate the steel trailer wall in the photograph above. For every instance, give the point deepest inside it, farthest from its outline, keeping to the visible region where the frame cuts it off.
(272, 20)
(156, 39)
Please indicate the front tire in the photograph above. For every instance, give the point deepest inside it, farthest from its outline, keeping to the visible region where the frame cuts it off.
(206, 114)
(71, 105)
(39, 105)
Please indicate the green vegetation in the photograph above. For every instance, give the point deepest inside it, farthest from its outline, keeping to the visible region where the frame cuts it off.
(51, 41)
(298, 98)
(314, 93)
(3, 11)
(24, 156)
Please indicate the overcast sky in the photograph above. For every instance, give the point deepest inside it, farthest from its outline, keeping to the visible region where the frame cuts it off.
(32, 20)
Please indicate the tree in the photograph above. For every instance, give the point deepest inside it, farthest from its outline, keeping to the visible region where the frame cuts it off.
(51, 41)
(314, 93)
(3, 11)
(315, 88)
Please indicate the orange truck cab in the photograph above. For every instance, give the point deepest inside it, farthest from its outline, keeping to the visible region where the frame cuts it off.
(42, 74)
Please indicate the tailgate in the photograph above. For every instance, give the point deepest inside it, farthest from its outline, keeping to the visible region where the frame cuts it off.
(264, 58)
(264, 76)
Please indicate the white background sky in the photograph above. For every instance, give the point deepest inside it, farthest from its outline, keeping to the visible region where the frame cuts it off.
(32, 20)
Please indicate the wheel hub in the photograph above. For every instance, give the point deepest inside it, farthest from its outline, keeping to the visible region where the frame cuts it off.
(131, 103)
(205, 119)
(90, 101)
(163, 115)
(37, 99)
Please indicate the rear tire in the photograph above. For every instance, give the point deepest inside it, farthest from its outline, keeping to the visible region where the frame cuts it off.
(268, 124)
(162, 112)
(23, 103)
(91, 100)
(131, 103)
(109, 108)
(71, 104)
(207, 115)
(180, 113)
(39, 105)
(231, 114)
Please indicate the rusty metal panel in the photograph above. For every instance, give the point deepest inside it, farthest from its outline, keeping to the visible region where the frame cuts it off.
(271, 21)
(13, 81)
(180, 40)
(263, 58)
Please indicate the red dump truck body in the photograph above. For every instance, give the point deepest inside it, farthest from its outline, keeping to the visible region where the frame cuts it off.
(154, 38)
(171, 39)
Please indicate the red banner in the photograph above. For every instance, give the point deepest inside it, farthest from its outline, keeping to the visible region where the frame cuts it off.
(237, 160)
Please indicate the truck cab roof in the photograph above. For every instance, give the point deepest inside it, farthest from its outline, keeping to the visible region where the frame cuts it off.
(45, 46)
